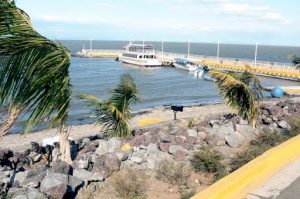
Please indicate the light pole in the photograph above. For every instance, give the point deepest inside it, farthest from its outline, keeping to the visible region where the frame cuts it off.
(218, 52)
(256, 46)
(189, 43)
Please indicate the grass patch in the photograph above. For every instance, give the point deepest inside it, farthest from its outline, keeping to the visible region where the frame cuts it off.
(175, 174)
(130, 184)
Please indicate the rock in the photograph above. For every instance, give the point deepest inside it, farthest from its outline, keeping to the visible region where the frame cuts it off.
(35, 156)
(34, 147)
(110, 160)
(26, 193)
(103, 147)
(202, 135)
(86, 149)
(122, 155)
(114, 144)
(101, 170)
(164, 147)
(267, 120)
(83, 161)
(152, 150)
(179, 155)
(164, 137)
(75, 183)
(55, 185)
(136, 159)
(283, 124)
(33, 177)
(174, 148)
(84, 142)
(179, 140)
(214, 123)
(192, 132)
(61, 167)
(234, 140)
(87, 176)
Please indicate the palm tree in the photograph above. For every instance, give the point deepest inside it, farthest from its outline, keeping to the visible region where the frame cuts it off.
(34, 73)
(295, 61)
(114, 113)
(242, 92)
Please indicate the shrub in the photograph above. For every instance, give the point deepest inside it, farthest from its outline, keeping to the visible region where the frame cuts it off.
(175, 174)
(295, 127)
(246, 156)
(268, 139)
(186, 192)
(191, 124)
(207, 160)
(130, 184)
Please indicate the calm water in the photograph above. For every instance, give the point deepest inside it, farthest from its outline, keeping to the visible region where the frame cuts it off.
(159, 86)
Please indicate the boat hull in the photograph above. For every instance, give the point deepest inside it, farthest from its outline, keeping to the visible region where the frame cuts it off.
(141, 62)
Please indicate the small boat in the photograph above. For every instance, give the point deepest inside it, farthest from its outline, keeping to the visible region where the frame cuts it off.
(185, 64)
(206, 76)
(198, 72)
(140, 55)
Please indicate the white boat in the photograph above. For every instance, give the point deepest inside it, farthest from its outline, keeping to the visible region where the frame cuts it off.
(185, 64)
(198, 72)
(140, 55)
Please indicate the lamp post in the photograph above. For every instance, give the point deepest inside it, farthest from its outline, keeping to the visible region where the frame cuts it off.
(256, 46)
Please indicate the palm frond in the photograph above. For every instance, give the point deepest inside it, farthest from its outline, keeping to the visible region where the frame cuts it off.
(295, 60)
(237, 94)
(115, 113)
(34, 71)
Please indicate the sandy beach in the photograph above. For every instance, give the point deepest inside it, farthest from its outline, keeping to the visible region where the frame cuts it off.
(160, 115)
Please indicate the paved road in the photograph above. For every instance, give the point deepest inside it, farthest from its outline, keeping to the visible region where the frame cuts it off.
(292, 191)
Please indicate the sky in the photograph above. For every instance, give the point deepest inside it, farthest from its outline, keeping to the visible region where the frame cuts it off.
(269, 22)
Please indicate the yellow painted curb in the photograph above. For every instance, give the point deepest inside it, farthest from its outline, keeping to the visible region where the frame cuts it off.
(148, 121)
(241, 182)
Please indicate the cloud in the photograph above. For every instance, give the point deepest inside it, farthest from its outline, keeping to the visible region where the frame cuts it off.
(69, 19)
(255, 12)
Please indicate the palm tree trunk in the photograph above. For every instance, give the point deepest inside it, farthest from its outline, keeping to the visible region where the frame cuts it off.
(9, 122)
(65, 146)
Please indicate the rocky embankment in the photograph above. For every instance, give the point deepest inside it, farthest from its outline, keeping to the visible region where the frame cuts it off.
(38, 173)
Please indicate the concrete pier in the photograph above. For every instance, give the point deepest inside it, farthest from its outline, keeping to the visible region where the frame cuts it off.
(263, 68)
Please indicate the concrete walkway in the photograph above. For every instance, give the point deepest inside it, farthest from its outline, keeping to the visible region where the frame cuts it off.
(284, 185)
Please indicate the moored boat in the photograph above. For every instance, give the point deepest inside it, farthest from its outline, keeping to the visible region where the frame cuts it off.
(140, 55)
(185, 64)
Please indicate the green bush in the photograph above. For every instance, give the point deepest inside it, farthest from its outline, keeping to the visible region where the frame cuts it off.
(175, 174)
(186, 192)
(246, 156)
(295, 127)
(268, 139)
(207, 160)
(130, 184)
(191, 124)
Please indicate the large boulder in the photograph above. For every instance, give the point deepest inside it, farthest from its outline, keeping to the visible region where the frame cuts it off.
(87, 176)
(25, 193)
(55, 185)
(110, 160)
(235, 140)
(174, 148)
(61, 167)
(108, 146)
(83, 161)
